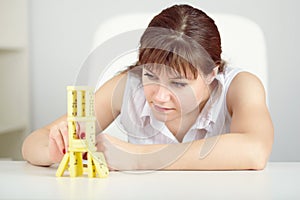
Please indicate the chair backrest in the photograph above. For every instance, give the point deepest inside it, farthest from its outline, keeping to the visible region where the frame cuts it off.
(243, 43)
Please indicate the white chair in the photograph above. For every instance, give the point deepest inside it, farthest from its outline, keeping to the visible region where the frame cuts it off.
(243, 43)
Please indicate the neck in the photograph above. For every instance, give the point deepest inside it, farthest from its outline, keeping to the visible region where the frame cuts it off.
(180, 126)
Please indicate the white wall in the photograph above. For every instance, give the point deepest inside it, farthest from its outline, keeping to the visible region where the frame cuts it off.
(61, 36)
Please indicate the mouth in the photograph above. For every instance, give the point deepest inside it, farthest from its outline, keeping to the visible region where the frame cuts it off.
(162, 109)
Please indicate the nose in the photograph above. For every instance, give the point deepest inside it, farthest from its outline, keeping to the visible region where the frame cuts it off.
(162, 94)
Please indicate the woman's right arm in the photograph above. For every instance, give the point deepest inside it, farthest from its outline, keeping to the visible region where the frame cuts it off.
(47, 145)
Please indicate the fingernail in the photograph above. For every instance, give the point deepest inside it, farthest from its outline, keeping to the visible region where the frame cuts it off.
(64, 151)
(82, 135)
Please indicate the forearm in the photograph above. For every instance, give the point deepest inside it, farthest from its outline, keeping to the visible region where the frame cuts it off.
(224, 152)
(35, 148)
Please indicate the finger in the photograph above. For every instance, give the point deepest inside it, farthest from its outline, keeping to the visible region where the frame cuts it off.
(63, 129)
(101, 148)
(55, 137)
(80, 130)
(55, 154)
(100, 142)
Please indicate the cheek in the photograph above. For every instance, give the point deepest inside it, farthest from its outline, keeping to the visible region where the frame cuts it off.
(200, 93)
(187, 103)
(148, 91)
(190, 98)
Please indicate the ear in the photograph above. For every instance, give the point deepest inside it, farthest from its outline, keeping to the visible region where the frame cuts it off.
(211, 77)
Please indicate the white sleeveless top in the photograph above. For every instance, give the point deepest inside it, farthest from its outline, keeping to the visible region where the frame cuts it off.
(137, 120)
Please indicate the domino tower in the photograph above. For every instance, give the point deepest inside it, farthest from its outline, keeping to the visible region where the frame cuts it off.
(81, 116)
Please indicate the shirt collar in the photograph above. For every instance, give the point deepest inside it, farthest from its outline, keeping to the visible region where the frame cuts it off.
(147, 116)
(146, 110)
(209, 113)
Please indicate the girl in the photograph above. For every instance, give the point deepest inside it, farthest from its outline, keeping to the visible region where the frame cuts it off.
(180, 105)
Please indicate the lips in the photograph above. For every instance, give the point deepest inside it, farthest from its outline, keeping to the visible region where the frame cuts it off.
(160, 108)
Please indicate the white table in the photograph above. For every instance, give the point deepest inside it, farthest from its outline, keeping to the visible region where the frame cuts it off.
(20, 180)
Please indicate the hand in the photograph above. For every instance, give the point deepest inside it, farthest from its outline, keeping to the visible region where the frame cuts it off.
(119, 154)
(58, 141)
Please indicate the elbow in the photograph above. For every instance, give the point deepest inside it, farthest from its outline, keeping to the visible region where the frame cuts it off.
(25, 149)
(260, 154)
(259, 162)
(28, 155)
(35, 149)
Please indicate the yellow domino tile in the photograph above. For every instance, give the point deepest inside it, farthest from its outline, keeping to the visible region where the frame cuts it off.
(81, 110)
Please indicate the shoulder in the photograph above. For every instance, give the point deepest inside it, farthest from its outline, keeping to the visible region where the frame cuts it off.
(112, 91)
(117, 81)
(246, 89)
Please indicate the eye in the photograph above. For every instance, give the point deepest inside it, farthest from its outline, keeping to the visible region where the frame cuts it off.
(179, 84)
(150, 76)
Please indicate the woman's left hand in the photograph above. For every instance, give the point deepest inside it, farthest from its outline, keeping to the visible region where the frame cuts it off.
(119, 155)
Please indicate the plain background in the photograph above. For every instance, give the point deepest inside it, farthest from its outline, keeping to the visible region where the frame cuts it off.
(61, 35)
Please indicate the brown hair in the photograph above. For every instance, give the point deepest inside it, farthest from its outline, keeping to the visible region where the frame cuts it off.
(184, 38)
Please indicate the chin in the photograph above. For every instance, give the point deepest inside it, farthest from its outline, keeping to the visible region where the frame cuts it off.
(164, 117)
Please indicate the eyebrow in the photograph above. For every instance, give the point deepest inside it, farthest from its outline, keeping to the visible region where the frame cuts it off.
(172, 78)
(178, 77)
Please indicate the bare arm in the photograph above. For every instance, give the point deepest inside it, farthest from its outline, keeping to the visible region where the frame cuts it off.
(248, 146)
(47, 145)
(35, 147)
(108, 101)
